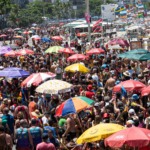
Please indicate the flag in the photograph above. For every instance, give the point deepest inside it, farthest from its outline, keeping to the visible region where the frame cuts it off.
(87, 18)
(97, 22)
(96, 26)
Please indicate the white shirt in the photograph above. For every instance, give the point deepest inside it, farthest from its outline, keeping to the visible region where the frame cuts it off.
(44, 120)
(58, 70)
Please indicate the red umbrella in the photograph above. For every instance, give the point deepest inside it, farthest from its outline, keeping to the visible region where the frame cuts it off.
(145, 91)
(57, 38)
(95, 51)
(25, 52)
(37, 78)
(3, 35)
(119, 41)
(133, 137)
(10, 54)
(129, 85)
(66, 51)
(76, 57)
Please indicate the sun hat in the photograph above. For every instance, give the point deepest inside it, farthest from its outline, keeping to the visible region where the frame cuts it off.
(126, 73)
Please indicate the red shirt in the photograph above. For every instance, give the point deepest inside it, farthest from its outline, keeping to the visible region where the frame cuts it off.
(45, 146)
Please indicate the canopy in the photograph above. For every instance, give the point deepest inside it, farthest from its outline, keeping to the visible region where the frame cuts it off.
(77, 67)
(54, 87)
(37, 78)
(99, 132)
(53, 49)
(129, 85)
(73, 105)
(13, 72)
(133, 137)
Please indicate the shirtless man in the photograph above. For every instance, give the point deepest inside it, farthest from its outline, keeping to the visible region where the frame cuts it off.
(110, 83)
(70, 128)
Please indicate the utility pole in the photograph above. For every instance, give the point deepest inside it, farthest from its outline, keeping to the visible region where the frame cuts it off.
(88, 13)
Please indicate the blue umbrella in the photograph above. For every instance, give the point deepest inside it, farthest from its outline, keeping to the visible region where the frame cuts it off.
(5, 49)
(13, 72)
(46, 39)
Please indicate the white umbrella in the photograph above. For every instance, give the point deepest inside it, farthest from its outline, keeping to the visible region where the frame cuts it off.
(54, 87)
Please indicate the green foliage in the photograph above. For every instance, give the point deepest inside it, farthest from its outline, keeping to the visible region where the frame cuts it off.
(5, 6)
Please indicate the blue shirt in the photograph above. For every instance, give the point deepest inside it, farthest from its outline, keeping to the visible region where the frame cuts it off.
(47, 128)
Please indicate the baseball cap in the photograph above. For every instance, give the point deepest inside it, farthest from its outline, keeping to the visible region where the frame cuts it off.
(135, 97)
(131, 111)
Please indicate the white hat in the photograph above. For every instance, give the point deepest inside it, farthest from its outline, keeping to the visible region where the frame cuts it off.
(131, 111)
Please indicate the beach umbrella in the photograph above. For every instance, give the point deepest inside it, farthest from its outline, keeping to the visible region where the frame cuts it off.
(57, 38)
(66, 51)
(10, 54)
(99, 132)
(25, 32)
(137, 54)
(73, 105)
(133, 137)
(45, 39)
(13, 72)
(3, 35)
(129, 85)
(145, 91)
(77, 67)
(95, 51)
(37, 78)
(24, 52)
(54, 87)
(4, 49)
(77, 57)
(53, 49)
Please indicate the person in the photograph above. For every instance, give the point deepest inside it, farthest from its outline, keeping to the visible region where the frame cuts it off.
(5, 140)
(10, 120)
(36, 133)
(52, 139)
(45, 145)
(23, 137)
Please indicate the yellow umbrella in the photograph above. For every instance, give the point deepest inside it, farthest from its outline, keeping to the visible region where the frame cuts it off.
(99, 132)
(77, 67)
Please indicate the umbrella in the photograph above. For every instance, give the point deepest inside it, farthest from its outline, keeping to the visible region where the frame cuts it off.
(145, 91)
(54, 87)
(115, 47)
(76, 57)
(129, 85)
(4, 49)
(25, 32)
(3, 35)
(13, 72)
(18, 36)
(25, 52)
(133, 137)
(57, 38)
(95, 51)
(10, 54)
(99, 132)
(77, 67)
(37, 78)
(119, 42)
(53, 49)
(66, 51)
(73, 105)
(46, 39)
(137, 54)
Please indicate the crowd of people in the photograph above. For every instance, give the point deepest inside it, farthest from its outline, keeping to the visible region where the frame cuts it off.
(27, 118)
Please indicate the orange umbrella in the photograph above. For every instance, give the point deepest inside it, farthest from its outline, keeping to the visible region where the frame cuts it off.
(25, 52)
(57, 38)
(10, 54)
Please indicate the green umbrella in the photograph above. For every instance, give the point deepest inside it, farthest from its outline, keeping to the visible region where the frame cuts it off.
(137, 54)
(53, 49)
